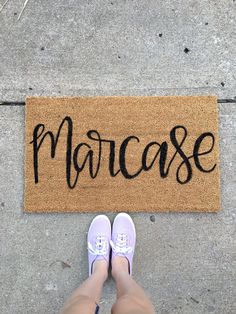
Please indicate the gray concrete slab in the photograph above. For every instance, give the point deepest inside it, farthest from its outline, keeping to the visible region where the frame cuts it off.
(186, 262)
(112, 47)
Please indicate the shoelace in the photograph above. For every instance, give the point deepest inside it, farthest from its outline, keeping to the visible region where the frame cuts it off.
(101, 246)
(121, 244)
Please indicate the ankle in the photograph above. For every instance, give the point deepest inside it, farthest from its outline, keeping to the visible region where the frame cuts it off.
(119, 265)
(100, 269)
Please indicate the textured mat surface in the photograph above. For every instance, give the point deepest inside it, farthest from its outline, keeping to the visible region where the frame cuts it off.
(122, 153)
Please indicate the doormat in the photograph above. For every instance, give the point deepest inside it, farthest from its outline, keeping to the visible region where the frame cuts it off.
(99, 154)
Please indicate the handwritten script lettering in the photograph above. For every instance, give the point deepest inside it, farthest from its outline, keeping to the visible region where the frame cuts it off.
(93, 161)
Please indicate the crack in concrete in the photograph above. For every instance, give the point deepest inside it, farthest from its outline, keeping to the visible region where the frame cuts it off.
(22, 103)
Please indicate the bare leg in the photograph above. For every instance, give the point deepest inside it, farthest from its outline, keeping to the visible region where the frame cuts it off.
(84, 299)
(131, 298)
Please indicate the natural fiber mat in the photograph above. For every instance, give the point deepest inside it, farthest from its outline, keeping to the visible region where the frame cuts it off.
(97, 154)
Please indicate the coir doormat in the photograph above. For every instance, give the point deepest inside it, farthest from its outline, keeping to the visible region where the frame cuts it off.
(97, 154)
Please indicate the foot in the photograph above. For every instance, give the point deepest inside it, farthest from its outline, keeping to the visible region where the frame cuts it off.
(99, 236)
(122, 243)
